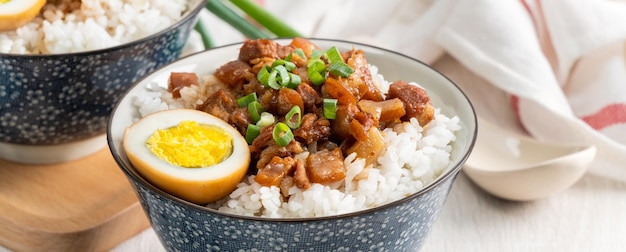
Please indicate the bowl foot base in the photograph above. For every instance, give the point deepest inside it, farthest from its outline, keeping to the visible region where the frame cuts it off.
(51, 154)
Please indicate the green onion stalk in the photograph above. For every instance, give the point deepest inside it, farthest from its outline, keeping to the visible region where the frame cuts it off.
(219, 9)
(226, 13)
(263, 17)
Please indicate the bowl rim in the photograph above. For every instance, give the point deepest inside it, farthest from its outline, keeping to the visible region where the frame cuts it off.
(188, 14)
(451, 172)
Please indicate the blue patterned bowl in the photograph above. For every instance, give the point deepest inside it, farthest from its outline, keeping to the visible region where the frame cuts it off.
(402, 225)
(55, 107)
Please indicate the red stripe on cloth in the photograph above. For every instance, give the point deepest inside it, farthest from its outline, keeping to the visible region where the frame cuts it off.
(532, 16)
(607, 116)
(515, 106)
(516, 110)
(527, 7)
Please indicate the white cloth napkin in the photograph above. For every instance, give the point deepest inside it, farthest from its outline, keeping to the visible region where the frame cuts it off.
(554, 69)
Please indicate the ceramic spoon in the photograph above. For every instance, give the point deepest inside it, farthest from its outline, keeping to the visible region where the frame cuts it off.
(517, 167)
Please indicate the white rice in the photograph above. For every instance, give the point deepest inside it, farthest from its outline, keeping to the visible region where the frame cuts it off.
(414, 157)
(66, 26)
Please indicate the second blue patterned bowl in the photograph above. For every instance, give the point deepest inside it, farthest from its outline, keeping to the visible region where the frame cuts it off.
(54, 108)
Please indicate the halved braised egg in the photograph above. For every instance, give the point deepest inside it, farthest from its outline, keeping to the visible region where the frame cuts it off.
(15, 13)
(188, 153)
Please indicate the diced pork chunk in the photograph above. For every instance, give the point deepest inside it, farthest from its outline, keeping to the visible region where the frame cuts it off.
(306, 45)
(240, 118)
(272, 173)
(300, 177)
(341, 124)
(310, 97)
(415, 99)
(234, 73)
(361, 78)
(273, 150)
(263, 48)
(220, 103)
(312, 129)
(326, 166)
(179, 80)
(286, 183)
(287, 98)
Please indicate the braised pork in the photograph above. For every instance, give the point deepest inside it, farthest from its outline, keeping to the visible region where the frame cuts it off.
(320, 142)
(415, 99)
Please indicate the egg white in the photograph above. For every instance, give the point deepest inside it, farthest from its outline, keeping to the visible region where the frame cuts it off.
(13, 7)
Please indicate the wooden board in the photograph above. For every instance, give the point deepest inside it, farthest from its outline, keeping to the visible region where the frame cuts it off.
(83, 205)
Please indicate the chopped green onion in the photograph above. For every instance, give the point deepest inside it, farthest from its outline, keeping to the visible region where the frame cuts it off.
(333, 55)
(294, 117)
(341, 69)
(316, 54)
(316, 69)
(317, 64)
(288, 57)
(294, 81)
(263, 75)
(245, 100)
(265, 18)
(290, 66)
(283, 74)
(316, 77)
(267, 119)
(272, 81)
(278, 62)
(282, 134)
(254, 110)
(287, 64)
(300, 53)
(252, 132)
(330, 108)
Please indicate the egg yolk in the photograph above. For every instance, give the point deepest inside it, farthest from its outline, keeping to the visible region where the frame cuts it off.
(191, 145)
